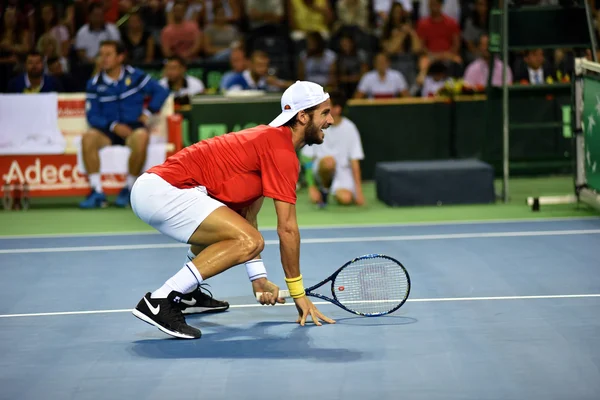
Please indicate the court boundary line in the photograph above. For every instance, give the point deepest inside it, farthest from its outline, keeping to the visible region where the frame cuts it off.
(318, 227)
(322, 303)
(399, 238)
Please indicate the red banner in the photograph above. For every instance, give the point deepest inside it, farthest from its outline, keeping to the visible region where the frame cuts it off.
(52, 175)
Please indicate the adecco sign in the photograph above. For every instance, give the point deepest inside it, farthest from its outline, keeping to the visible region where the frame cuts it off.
(51, 175)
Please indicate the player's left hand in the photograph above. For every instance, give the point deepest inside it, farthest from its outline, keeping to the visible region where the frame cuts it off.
(270, 291)
(306, 308)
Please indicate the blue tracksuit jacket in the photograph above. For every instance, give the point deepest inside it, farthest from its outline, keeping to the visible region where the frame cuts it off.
(109, 102)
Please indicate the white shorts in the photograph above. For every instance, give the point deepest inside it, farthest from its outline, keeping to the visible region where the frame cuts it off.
(174, 212)
(342, 179)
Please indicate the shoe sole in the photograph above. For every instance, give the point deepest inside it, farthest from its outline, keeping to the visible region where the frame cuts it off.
(150, 321)
(204, 310)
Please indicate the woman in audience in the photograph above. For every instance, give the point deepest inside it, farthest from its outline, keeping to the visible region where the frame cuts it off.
(47, 22)
(138, 42)
(352, 13)
(49, 48)
(399, 36)
(231, 8)
(195, 11)
(475, 25)
(315, 62)
(219, 36)
(15, 41)
(351, 64)
(154, 16)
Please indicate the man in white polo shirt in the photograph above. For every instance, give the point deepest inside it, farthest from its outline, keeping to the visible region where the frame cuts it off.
(90, 35)
(334, 166)
(182, 85)
(382, 82)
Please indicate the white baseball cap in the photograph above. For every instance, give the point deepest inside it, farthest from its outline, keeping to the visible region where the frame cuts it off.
(300, 96)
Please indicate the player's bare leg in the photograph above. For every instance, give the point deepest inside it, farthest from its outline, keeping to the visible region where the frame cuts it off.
(235, 240)
(200, 300)
(91, 144)
(229, 239)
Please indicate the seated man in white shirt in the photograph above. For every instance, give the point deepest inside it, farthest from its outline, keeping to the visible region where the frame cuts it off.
(90, 35)
(382, 82)
(334, 166)
(182, 85)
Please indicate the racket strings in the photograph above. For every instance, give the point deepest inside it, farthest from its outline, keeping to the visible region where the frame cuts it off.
(372, 286)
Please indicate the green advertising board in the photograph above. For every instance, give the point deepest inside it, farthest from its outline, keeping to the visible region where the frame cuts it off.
(591, 122)
(416, 129)
(217, 115)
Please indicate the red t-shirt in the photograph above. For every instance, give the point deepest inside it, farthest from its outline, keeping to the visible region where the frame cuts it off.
(238, 168)
(180, 38)
(437, 35)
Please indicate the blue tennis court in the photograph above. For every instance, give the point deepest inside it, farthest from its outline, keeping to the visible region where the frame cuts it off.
(502, 310)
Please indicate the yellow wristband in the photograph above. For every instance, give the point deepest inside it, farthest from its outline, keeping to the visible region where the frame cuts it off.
(295, 286)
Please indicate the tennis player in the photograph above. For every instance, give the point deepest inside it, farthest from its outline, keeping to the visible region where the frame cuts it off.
(209, 195)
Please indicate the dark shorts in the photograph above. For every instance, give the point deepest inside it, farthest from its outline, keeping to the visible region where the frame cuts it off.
(117, 140)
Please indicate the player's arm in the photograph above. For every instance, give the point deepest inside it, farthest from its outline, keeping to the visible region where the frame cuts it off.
(289, 244)
(289, 239)
(257, 273)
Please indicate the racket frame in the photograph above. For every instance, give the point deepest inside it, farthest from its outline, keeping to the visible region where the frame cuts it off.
(286, 294)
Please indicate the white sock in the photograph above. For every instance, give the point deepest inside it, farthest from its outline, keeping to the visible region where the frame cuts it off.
(185, 281)
(95, 182)
(130, 181)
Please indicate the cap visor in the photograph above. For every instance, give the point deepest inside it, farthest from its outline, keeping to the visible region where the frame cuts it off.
(282, 118)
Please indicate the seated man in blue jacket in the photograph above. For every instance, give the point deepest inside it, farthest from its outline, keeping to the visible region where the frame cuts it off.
(116, 115)
(33, 80)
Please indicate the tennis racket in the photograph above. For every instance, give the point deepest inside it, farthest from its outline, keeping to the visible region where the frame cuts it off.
(371, 285)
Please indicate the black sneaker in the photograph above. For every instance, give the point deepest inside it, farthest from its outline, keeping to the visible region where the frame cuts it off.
(166, 315)
(198, 302)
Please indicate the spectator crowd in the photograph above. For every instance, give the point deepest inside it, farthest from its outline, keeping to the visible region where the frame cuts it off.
(364, 48)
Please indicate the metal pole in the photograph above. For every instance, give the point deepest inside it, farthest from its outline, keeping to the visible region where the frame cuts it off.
(505, 119)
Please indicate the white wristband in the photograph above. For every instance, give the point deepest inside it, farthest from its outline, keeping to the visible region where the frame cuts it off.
(256, 270)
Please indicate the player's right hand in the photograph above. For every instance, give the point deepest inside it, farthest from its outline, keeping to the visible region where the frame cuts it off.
(305, 308)
(270, 291)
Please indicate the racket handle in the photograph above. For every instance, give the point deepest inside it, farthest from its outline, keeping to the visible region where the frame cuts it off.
(282, 293)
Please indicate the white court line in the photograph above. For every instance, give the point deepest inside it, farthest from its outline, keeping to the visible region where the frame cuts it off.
(475, 235)
(320, 227)
(322, 303)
